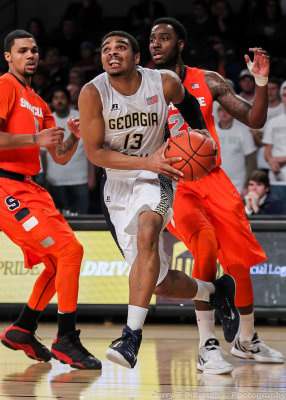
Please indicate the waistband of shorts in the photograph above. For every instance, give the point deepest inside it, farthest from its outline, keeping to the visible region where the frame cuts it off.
(121, 173)
(15, 176)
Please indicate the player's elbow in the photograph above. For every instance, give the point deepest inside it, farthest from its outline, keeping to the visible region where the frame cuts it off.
(61, 160)
(257, 122)
(93, 157)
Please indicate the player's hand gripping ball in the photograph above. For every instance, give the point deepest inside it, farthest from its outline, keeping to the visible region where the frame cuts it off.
(198, 153)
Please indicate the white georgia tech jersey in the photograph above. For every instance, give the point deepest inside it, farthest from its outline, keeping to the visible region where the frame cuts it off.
(134, 125)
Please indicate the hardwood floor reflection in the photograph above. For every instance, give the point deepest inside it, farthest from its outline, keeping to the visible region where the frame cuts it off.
(166, 369)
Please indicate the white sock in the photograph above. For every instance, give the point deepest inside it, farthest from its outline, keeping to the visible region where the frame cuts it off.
(204, 290)
(206, 325)
(246, 327)
(136, 317)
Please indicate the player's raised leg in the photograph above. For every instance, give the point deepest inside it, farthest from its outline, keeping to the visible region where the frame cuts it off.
(219, 293)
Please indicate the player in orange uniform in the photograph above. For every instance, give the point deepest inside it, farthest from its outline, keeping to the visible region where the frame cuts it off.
(27, 213)
(209, 215)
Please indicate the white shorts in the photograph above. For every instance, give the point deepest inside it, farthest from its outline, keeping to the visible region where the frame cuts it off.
(127, 197)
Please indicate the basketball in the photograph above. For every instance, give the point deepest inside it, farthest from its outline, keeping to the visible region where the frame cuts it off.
(197, 151)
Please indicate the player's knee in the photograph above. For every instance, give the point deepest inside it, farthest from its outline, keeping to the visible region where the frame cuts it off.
(77, 248)
(148, 237)
(162, 289)
(73, 252)
(158, 291)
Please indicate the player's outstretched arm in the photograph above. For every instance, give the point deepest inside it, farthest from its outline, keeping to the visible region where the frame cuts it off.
(253, 115)
(46, 138)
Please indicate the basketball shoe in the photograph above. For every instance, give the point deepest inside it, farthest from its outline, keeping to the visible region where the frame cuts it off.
(210, 360)
(69, 350)
(124, 350)
(223, 301)
(256, 350)
(17, 338)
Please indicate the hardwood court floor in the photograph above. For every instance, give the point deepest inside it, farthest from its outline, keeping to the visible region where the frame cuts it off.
(166, 369)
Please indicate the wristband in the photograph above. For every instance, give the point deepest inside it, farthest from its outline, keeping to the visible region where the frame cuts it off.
(259, 79)
(35, 139)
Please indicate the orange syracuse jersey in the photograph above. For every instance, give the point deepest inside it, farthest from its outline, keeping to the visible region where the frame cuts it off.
(22, 112)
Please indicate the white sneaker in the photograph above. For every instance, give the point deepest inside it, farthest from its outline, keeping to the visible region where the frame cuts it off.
(256, 350)
(210, 360)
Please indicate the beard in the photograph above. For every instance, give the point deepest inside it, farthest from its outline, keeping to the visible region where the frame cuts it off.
(171, 61)
(28, 74)
(114, 73)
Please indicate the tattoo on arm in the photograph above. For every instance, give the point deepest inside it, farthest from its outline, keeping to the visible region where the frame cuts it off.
(67, 145)
(223, 92)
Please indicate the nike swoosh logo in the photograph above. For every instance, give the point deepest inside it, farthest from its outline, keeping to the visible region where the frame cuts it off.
(232, 316)
(202, 361)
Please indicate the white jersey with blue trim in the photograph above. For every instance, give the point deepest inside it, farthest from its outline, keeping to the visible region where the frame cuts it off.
(135, 124)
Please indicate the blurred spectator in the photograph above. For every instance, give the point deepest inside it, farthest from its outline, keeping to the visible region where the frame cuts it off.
(275, 150)
(238, 151)
(247, 85)
(267, 27)
(76, 77)
(67, 38)
(41, 82)
(86, 61)
(68, 184)
(227, 65)
(57, 69)
(275, 107)
(74, 92)
(226, 21)
(216, 44)
(202, 25)
(36, 27)
(209, 59)
(259, 200)
(138, 24)
(97, 62)
(151, 10)
(87, 14)
(76, 82)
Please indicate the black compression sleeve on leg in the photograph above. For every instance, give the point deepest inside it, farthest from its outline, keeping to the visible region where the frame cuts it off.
(190, 110)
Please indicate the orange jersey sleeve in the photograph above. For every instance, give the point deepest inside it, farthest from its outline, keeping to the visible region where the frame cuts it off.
(23, 112)
(7, 99)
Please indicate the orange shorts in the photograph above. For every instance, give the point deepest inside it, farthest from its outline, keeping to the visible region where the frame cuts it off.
(214, 203)
(28, 216)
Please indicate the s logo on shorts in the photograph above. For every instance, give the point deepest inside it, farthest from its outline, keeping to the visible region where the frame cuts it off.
(12, 203)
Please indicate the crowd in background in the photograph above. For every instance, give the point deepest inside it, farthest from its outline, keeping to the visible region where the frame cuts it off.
(217, 40)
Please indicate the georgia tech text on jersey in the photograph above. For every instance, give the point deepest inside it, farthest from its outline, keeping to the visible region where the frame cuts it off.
(133, 120)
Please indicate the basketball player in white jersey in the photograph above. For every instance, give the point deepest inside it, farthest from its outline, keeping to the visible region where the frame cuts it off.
(123, 115)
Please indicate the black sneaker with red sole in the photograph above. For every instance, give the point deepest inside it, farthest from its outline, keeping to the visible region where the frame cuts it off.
(69, 350)
(17, 338)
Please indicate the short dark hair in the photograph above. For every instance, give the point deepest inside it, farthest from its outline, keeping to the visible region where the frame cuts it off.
(177, 26)
(62, 89)
(275, 80)
(17, 34)
(132, 40)
(260, 177)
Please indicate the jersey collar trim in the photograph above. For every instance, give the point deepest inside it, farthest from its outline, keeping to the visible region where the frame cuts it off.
(22, 83)
(184, 74)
